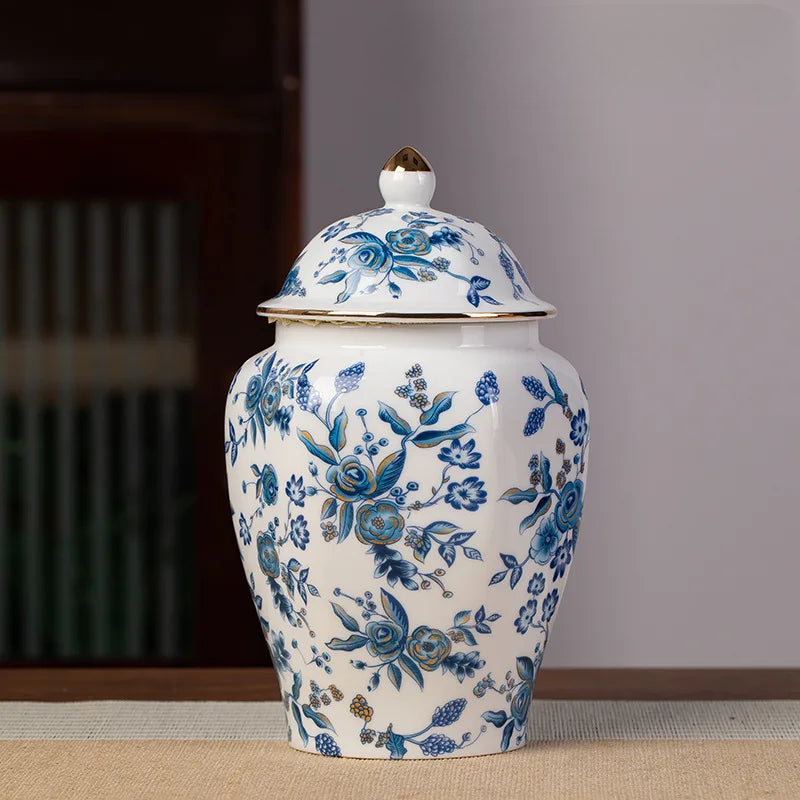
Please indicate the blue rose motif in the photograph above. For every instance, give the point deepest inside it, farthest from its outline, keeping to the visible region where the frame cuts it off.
(428, 647)
(521, 704)
(270, 400)
(580, 428)
(350, 479)
(253, 392)
(461, 455)
(268, 555)
(371, 258)
(545, 542)
(570, 505)
(267, 484)
(409, 241)
(379, 523)
(280, 655)
(467, 495)
(386, 639)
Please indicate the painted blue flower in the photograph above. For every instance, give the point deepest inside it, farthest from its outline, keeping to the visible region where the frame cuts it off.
(461, 455)
(386, 639)
(467, 495)
(295, 490)
(429, 647)
(379, 523)
(545, 542)
(487, 389)
(270, 401)
(298, 532)
(549, 605)
(283, 416)
(280, 655)
(521, 704)
(332, 231)
(253, 392)
(348, 379)
(292, 284)
(371, 258)
(350, 479)
(446, 236)
(561, 560)
(267, 484)
(244, 530)
(526, 615)
(580, 428)
(463, 665)
(268, 555)
(570, 505)
(536, 584)
(409, 241)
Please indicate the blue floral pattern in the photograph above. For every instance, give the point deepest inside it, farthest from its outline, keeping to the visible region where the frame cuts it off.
(358, 487)
(368, 262)
(518, 692)
(398, 649)
(363, 484)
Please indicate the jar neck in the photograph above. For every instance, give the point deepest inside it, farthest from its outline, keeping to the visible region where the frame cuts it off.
(517, 335)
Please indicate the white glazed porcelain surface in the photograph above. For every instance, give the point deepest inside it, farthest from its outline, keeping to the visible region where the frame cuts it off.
(407, 259)
(407, 502)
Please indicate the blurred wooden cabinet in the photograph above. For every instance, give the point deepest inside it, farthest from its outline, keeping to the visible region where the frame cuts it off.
(149, 198)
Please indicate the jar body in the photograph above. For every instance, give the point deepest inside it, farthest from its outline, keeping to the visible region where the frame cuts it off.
(407, 500)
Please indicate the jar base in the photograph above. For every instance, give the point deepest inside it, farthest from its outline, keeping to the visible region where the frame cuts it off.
(361, 752)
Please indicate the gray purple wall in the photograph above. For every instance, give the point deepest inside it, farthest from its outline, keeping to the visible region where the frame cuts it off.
(644, 163)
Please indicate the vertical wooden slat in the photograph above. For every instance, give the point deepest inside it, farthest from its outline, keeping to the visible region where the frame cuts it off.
(5, 541)
(65, 242)
(98, 253)
(167, 255)
(132, 289)
(31, 282)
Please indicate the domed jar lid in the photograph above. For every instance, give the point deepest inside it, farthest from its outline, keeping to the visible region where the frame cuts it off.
(406, 262)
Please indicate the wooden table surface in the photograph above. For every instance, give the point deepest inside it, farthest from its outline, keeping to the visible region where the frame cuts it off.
(124, 683)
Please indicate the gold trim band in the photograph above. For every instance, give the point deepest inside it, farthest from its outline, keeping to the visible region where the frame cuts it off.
(344, 315)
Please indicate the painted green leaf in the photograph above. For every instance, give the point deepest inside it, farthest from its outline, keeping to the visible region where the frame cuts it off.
(321, 451)
(431, 438)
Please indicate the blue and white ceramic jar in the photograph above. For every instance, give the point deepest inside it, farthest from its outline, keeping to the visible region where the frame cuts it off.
(407, 470)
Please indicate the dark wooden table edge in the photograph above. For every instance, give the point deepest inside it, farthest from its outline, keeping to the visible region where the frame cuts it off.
(239, 684)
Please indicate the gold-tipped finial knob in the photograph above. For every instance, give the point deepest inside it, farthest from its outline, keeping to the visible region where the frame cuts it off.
(408, 159)
(407, 179)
